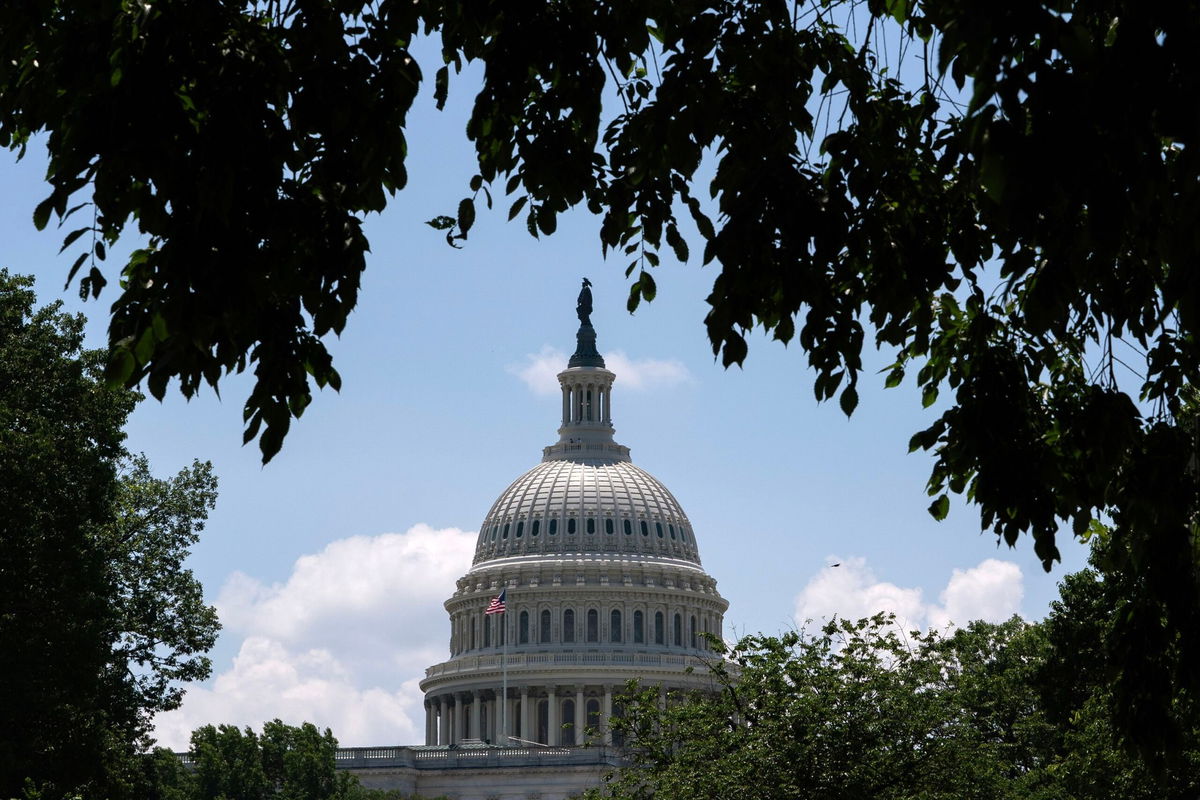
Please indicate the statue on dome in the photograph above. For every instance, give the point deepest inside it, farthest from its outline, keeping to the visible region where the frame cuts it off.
(583, 306)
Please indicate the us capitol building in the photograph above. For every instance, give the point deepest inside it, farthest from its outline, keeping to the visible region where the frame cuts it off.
(602, 580)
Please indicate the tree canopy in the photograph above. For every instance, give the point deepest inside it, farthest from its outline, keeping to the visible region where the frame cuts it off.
(945, 180)
(864, 709)
(100, 622)
(284, 762)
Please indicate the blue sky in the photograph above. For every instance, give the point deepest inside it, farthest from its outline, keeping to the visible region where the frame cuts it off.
(329, 565)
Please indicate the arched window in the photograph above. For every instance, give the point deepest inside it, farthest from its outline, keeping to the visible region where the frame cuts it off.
(568, 718)
(591, 525)
(593, 625)
(645, 529)
(695, 642)
(520, 528)
(657, 529)
(639, 634)
(608, 526)
(568, 625)
(504, 535)
(670, 527)
(544, 636)
(571, 525)
(658, 627)
(537, 523)
(553, 527)
(523, 629)
(614, 627)
(678, 631)
(487, 631)
(628, 528)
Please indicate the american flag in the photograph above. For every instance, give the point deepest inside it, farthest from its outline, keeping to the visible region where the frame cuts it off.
(497, 604)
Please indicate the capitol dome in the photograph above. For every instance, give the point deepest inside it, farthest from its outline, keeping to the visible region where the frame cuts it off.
(586, 507)
(598, 573)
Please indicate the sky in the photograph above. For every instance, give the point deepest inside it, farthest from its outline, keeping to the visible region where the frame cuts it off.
(329, 566)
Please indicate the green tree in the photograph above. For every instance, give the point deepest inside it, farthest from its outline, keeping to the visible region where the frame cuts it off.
(99, 622)
(860, 710)
(1080, 684)
(285, 762)
(1012, 240)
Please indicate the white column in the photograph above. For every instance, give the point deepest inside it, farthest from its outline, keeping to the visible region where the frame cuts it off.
(553, 726)
(580, 716)
(566, 405)
(493, 725)
(511, 706)
(459, 717)
(430, 724)
(606, 714)
(526, 733)
(443, 721)
(475, 705)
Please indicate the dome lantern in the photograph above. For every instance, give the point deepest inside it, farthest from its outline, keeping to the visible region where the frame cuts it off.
(587, 429)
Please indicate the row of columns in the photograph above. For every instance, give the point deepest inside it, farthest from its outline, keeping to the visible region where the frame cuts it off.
(445, 716)
(587, 403)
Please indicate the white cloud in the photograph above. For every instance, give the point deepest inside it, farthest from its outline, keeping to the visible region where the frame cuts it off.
(342, 643)
(646, 373)
(990, 591)
(540, 371)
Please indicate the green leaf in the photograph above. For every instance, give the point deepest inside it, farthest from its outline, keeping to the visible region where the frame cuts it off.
(41, 214)
(159, 325)
(993, 176)
(929, 395)
(677, 243)
(939, 508)
(516, 207)
(72, 236)
(647, 285)
(849, 400)
(441, 223)
(441, 87)
(466, 216)
(144, 349)
(734, 350)
(547, 220)
(120, 366)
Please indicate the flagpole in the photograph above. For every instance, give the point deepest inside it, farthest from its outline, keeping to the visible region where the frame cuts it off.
(504, 670)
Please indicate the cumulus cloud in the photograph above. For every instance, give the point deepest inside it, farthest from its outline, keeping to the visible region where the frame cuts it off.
(647, 373)
(991, 591)
(341, 643)
(540, 370)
